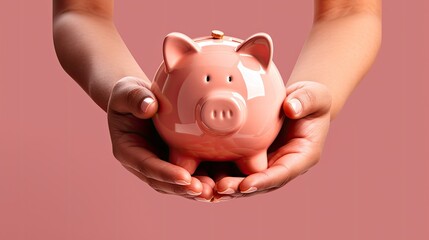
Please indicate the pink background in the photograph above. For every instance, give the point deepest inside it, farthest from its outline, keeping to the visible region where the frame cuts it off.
(59, 180)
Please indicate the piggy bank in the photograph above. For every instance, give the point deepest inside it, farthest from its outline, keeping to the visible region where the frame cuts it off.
(220, 99)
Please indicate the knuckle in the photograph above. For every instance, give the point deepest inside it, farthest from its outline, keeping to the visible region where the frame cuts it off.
(178, 190)
(286, 176)
(153, 184)
(324, 97)
(328, 100)
(116, 101)
(317, 155)
(142, 170)
(316, 160)
(121, 85)
(117, 86)
(134, 97)
(282, 183)
(117, 153)
(160, 191)
(308, 97)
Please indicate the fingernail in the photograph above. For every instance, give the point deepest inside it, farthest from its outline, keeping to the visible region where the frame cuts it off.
(192, 193)
(296, 105)
(227, 191)
(224, 198)
(182, 182)
(250, 190)
(146, 103)
(200, 199)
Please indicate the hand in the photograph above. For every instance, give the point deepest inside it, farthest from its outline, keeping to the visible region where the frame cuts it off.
(297, 148)
(138, 147)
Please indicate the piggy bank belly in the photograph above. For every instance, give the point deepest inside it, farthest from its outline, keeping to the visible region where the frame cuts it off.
(222, 129)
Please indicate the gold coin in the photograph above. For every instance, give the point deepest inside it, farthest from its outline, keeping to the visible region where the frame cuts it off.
(216, 34)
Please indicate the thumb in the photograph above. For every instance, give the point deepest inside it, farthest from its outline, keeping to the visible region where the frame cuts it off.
(307, 98)
(132, 95)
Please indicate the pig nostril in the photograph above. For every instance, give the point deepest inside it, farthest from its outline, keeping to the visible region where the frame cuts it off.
(229, 114)
(214, 113)
(222, 114)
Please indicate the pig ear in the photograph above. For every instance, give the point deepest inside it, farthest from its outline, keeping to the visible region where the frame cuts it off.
(175, 47)
(260, 46)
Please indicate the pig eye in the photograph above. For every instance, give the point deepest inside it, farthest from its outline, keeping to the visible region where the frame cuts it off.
(229, 78)
(207, 78)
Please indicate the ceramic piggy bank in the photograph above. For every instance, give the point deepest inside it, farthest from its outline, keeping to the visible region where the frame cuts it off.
(220, 99)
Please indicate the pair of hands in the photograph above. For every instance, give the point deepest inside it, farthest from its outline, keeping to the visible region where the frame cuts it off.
(139, 148)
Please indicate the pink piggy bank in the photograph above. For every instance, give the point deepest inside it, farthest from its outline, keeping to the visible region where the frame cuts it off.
(220, 99)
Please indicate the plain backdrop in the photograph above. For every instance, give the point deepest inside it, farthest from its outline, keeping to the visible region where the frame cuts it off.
(59, 179)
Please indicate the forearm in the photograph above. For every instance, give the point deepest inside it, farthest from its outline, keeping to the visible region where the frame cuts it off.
(92, 52)
(338, 53)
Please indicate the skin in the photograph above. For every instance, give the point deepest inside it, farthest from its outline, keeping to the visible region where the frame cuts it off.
(339, 50)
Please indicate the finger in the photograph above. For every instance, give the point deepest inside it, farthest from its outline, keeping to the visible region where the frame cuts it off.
(132, 95)
(275, 176)
(207, 180)
(208, 185)
(226, 179)
(207, 193)
(143, 161)
(227, 188)
(305, 98)
(191, 190)
(281, 172)
(228, 185)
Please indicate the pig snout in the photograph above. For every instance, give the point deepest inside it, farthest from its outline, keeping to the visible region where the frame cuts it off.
(221, 113)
